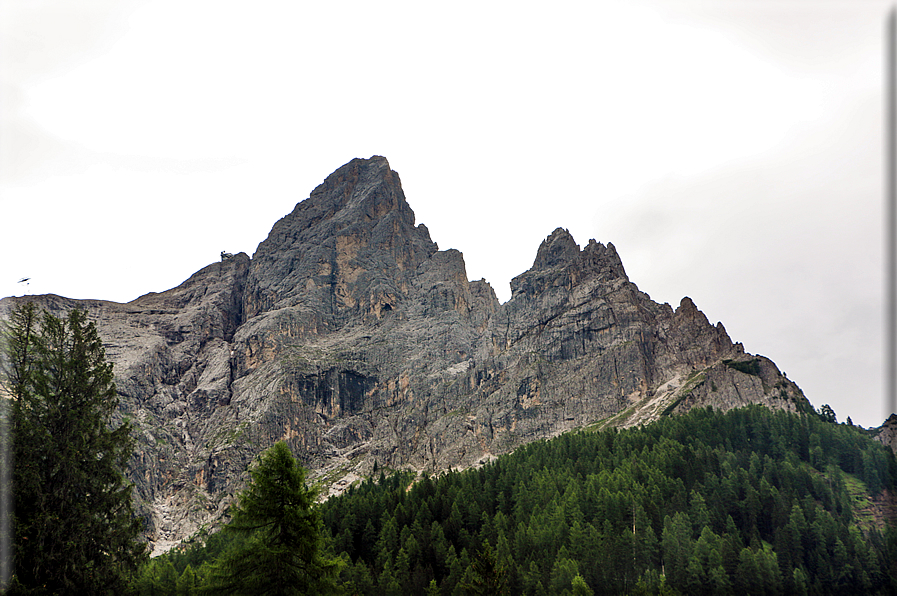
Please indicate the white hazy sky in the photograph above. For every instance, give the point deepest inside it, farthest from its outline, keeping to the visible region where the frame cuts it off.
(731, 151)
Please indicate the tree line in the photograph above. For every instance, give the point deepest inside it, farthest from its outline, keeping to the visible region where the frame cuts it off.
(749, 501)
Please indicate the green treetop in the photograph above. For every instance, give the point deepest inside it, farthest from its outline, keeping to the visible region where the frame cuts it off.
(282, 553)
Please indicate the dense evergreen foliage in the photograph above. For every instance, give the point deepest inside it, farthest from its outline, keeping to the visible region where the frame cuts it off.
(280, 552)
(75, 532)
(751, 501)
(274, 543)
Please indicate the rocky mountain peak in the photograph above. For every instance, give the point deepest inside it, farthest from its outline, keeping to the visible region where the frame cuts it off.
(603, 260)
(347, 247)
(560, 263)
(361, 190)
(558, 249)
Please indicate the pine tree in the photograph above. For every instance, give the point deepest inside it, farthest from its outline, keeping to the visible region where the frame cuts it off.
(186, 584)
(282, 552)
(677, 547)
(485, 575)
(563, 573)
(75, 531)
(579, 587)
(828, 414)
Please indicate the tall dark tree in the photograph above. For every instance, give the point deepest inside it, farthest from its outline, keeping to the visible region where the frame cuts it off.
(486, 574)
(282, 551)
(75, 531)
(828, 414)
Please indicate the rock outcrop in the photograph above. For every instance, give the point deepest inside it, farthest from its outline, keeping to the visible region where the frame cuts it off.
(887, 433)
(350, 335)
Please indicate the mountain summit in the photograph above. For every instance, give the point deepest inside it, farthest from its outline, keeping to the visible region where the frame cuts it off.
(351, 336)
(343, 250)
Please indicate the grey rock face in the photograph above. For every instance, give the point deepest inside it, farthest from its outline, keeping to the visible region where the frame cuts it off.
(171, 357)
(887, 433)
(352, 337)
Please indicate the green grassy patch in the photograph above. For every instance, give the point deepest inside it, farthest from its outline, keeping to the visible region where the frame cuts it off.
(748, 367)
(693, 381)
(227, 435)
(328, 479)
(860, 501)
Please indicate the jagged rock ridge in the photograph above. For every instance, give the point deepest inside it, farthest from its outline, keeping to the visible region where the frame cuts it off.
(350, 335)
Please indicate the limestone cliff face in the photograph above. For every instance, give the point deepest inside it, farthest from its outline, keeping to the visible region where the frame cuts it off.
(171, 356)
(350, 335)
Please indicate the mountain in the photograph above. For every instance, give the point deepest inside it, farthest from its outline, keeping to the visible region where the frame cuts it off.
(350, 335)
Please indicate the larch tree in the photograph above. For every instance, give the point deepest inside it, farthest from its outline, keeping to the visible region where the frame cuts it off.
(282, 548)
(74, 527)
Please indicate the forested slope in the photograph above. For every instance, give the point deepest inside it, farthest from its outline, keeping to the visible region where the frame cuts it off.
(751, 501)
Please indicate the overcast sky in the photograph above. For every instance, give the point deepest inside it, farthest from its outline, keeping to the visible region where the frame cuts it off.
(731, 151)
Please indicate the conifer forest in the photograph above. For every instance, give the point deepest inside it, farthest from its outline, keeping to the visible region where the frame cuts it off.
(751, 501)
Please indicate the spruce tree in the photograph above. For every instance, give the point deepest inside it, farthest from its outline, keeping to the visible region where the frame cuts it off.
(75, 531)
(282, 551)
